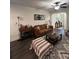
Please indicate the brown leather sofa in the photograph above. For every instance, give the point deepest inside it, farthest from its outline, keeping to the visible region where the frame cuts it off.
(37, 30)
(40, 30)
(25, 31)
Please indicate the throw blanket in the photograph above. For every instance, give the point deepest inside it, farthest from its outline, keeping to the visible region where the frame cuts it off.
(41, 47)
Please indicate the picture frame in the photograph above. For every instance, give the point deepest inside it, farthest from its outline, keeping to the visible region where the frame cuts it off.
(39, 17)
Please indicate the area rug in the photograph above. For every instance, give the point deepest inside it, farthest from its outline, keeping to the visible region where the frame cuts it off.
(60, 50)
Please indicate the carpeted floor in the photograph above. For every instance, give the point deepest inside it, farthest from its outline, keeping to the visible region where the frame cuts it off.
(20, 50)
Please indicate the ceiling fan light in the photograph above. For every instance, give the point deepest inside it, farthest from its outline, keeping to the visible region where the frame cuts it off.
(57, 7)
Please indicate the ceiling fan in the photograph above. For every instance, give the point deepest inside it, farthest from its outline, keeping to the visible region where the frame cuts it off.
(58, 5)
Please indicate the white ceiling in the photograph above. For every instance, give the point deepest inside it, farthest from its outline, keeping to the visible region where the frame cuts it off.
(41, 4)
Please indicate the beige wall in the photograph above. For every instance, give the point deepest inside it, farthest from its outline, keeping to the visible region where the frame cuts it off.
(27, 15)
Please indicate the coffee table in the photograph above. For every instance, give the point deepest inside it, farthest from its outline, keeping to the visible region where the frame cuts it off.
(53, 37)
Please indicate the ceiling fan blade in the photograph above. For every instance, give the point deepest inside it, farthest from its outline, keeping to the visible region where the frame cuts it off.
(63, 6)
(57, 2)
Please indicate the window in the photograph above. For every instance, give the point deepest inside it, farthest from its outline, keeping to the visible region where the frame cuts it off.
(61, 17)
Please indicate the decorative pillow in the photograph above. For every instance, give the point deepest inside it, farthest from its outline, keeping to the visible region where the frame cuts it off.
(38, 28)
(47, 26)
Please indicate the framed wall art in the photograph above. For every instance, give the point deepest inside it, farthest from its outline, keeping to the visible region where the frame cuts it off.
(39, 17)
